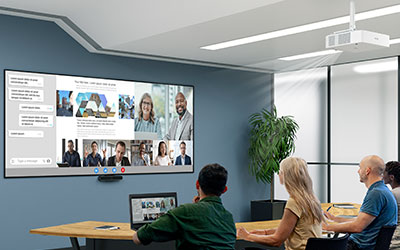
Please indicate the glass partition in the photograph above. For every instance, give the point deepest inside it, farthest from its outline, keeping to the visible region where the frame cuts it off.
(363, 113)
(364, 110)
(303, 95)
(346, 185)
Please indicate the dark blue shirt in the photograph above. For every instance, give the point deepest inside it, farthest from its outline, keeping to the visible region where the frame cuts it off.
(187, 160)
(73, 159)
(94, 161)
(380, 203)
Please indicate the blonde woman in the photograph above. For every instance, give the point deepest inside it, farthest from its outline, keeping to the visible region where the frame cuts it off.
(147, 122)
(302, 216)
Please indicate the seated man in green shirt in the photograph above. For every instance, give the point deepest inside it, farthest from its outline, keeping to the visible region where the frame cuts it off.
(205, 224)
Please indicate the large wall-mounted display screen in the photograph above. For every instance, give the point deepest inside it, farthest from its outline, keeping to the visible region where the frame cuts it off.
(59, 125)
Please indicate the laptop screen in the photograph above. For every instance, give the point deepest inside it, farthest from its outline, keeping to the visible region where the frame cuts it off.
(145, 208)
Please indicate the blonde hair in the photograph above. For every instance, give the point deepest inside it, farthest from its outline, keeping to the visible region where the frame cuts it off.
(146, 95)
(298, 184)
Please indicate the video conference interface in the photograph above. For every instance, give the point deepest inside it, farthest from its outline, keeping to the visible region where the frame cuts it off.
(71, 125)
(149, 209)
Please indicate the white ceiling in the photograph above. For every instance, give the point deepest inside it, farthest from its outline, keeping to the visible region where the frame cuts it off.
(175, 30)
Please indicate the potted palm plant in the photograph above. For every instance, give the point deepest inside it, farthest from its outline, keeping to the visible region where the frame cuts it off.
(271, 140)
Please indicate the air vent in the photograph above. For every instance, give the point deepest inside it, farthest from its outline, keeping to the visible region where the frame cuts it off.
(331, 41)
(344, 38)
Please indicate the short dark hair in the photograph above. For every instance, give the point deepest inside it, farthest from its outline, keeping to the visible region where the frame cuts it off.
(70, 141)
(182, 143)
(121, 143)
(393, 168)
(212, 179)
(94, 142)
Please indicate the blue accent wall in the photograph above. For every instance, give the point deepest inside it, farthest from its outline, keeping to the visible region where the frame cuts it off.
(224, 99)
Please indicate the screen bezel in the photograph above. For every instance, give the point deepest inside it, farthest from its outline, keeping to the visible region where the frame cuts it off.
(135, 226)
(87, 76)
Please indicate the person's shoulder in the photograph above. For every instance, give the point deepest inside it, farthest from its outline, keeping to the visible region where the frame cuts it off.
(379, 193)
(182, 209)
(381, 189)
(175, 120)
(396, 191)
(375, 192)
(291, 201)
(292, 205)
(188, 115)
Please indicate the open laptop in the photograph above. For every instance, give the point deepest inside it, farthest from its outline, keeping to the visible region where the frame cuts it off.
(146, 208)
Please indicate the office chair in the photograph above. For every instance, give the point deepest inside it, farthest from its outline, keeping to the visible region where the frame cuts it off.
(335, 243)
(384, 237)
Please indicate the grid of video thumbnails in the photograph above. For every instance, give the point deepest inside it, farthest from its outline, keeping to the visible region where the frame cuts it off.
(127, 153)
(161, 128)
(150, 209)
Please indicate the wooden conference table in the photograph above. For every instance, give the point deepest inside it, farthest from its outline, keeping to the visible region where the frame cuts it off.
(122, 238)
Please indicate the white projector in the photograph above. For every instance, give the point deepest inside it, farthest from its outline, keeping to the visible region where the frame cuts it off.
(357, 40)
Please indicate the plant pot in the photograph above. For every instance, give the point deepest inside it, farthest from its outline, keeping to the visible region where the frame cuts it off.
(267, 210)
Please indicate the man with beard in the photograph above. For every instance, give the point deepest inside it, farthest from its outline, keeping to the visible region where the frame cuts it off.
(379, 208)
(142, 159)
(94, 159)
(71, 156)
(182, 126)
(119, 159)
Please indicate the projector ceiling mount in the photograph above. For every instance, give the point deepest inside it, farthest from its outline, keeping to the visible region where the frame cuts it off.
(354, 40)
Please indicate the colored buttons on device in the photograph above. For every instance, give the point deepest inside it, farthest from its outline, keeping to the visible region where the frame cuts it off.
(114, 170)
(96, 170)
(105, 170)
(122, 170)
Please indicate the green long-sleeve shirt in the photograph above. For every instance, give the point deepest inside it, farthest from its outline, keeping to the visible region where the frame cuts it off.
(204, 225)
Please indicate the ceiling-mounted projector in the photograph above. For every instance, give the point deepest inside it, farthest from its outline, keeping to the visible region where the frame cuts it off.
(356, 40)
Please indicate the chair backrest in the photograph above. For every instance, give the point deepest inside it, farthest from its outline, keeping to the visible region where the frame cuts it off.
(384, 237)
(336, 243)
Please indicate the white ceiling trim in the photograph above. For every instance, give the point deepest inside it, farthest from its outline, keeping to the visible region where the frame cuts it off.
(89, 44)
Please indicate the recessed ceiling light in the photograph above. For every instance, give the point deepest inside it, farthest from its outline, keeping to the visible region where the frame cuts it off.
(301, 76)
(394, 41)
(304, 28)
(376, 67)
(312, 54)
